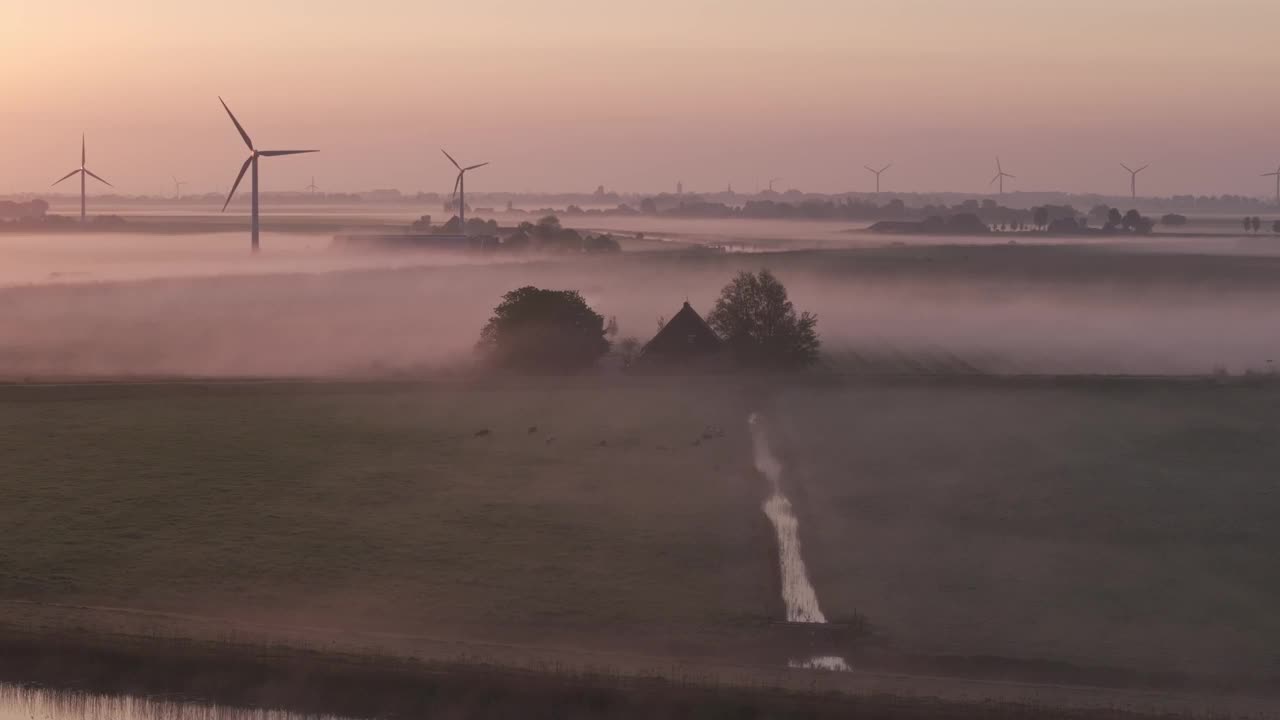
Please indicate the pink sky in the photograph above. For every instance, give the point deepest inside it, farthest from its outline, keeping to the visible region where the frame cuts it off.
(568, 94)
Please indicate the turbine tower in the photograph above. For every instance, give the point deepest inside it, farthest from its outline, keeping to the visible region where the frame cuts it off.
(877, 173)
(1275, 175)
(312, 187)
(1133, 179)
(771, 182)
(82, 171)
(254, 154)
(460, 190)
(177, 188)
(1000, 176)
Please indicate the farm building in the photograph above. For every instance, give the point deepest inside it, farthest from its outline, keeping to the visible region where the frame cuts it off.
(685, 339)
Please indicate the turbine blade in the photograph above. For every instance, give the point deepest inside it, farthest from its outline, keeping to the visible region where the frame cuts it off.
(993, 180)
(1011, 177)
(64, 177)
(239, 127)
(871, 169)
(1274, 174)
(243, 168)
(473, 167)
(82, 152)
(1144, 167)
(95, 177)
(456, 183)
(1126, 167)
(277, 153)
(886, 167)
(455, 162)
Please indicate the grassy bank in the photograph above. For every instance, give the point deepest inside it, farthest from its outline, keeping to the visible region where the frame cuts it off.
(328, 682)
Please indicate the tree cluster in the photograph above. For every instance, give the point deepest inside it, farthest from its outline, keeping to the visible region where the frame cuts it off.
(540, 330)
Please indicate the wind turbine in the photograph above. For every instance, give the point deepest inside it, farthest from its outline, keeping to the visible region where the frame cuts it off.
(82, 171)
(177, 188)
(254, 154)
(771, 182)
(312, 187)
(1000, 176)
(877, 173)
(460, 189)
(1276, 175)
(1133, 179)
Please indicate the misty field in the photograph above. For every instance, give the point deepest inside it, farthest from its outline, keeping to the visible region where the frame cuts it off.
(301, 309)
(413, 509)
(1096, 523)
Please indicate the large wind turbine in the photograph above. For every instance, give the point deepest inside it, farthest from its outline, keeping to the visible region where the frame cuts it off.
(312, 187)
(82, 171)
(460, 190)
(1000, 176)
(771, 182)
(254, 154)
(177, 187)
(877, 173)
(1275, 175)
(1133, 179)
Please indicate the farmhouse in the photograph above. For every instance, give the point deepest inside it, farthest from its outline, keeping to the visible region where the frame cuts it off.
(685, 339)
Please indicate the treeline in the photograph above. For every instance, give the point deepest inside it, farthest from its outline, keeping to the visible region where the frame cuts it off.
(546, 235)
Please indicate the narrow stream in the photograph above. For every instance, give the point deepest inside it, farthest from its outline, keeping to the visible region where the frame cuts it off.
(798, 595)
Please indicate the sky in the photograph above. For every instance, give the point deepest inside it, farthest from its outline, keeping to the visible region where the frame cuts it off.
(565, 95)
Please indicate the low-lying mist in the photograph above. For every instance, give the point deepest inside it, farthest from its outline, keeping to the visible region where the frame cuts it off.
(148, 308)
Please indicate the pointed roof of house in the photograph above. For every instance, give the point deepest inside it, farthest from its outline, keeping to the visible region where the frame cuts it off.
(686, 334)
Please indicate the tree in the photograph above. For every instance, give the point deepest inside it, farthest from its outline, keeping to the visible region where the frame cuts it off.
(628, 349)
(1257, 223)
(543, 330)
(760, 326)
(1114, 217)
(1275, 227)
(1132, 220)
(1040, 216)
(1248, 223)
(601, 243)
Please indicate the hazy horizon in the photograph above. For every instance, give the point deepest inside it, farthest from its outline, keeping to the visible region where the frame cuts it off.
(568, 95)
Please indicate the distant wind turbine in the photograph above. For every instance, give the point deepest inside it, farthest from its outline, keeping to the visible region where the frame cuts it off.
(82, 171)
(1133, 179)
(254, 154)
(460, 189)
(772, 181)
(312, 187)
(1000, 176)
(1275, 175)
(877, 173)
(177, 188)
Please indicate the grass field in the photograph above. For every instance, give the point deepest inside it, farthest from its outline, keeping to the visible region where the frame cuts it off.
(1096, 523)
(1130, 525)
(379, 507)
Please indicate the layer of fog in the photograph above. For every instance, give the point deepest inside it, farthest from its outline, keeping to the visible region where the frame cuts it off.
(38, 259)
(130, 305)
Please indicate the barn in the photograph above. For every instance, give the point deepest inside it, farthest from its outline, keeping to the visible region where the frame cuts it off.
(684, 340)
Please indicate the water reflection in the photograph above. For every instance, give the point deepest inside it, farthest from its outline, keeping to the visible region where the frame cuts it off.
(32, 703)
